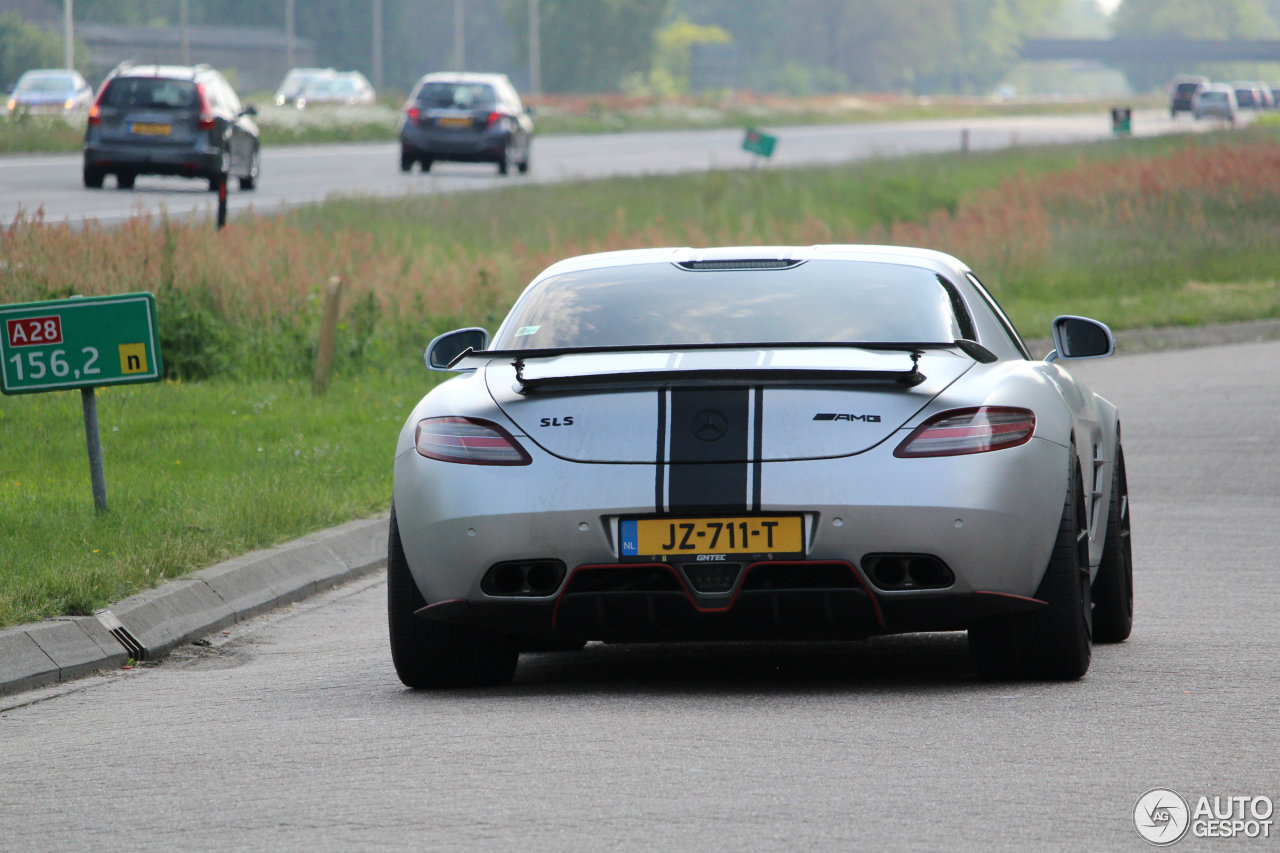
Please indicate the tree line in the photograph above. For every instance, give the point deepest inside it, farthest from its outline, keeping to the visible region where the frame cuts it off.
(793, 46)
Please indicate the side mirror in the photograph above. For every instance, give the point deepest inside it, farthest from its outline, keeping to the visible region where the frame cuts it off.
(1080, 337)
(249, 110)
(445, 348)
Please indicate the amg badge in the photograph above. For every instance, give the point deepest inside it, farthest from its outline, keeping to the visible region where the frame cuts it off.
(833, 416)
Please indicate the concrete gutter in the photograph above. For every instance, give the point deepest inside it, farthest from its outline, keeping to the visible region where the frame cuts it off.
(149, 625)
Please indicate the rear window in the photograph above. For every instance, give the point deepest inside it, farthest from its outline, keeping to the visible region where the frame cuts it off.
(817, 301)
(458, 96)
(44, 83)
(154, 93)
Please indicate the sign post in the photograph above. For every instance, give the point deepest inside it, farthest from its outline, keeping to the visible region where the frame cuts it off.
(82, 342)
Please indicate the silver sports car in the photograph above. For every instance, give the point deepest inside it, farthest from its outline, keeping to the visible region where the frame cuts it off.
(756, 443)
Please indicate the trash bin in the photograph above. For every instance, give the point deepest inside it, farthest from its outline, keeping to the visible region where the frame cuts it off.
(1120, 120)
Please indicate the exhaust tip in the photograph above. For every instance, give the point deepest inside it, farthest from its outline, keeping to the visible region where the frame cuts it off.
(894, 572)
(523, 578)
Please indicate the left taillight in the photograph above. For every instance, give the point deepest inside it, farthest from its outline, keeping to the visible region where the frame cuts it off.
(976, 430)
(95, 111)
(495, 118)
(471, 441)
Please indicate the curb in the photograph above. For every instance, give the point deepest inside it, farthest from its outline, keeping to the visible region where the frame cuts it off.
(152, 623)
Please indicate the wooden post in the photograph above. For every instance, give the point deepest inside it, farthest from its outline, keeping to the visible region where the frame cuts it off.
(328, 331)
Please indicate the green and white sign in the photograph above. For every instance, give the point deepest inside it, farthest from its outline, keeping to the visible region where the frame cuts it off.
(758, 142)
(84, 342)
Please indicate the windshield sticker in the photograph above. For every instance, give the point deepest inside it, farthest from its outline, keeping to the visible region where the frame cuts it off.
(527, 330)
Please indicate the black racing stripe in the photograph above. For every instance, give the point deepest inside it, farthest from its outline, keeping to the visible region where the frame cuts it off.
(757, 450)
(661, 456)
(709, 449)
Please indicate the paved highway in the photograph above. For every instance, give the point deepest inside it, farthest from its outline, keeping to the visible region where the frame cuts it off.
(291, 731)
(51, 185)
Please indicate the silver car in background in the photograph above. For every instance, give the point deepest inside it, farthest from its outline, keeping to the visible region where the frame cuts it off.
(1216, 101)
(825, 442)
(50, 90)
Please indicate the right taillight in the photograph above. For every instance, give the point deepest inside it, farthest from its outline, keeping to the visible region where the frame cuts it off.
(470, 441)
(975, 430)
(207, 118)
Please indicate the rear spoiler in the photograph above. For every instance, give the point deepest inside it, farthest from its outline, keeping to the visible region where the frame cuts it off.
(906, 376)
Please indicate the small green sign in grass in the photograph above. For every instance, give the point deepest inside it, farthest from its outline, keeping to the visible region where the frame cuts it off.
(82, 342)
(79, 343)
(758, 142)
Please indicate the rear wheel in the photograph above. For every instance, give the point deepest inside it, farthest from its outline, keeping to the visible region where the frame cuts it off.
(438, 654)
(219, 178)
(125, 180)
(1113, 587)
(504, 159)
(93, 178)
(406, 160)
(1054, 642)
(250, 181)
(523, 165)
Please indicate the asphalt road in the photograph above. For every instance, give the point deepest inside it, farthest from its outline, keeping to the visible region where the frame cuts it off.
(50, 186)
(291, 731)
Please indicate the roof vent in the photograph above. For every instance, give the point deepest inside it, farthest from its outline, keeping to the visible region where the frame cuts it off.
(744, 264)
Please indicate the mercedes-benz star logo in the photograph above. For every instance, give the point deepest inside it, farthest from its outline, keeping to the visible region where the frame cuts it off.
(709, 425)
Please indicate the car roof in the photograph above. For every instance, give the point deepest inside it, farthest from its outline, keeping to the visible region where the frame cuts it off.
(463, 77)
(50, 72)
(182, 72)
(926, 258)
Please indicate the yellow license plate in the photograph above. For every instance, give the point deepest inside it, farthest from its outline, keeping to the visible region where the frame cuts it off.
(455, 121)
(143, 128)
(688, 537)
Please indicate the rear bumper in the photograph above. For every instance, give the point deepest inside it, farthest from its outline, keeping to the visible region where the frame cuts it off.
(760, 614)
(486, 147)
(192, 162)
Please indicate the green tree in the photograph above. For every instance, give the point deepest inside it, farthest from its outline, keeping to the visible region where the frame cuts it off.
(24, 46)
(920, 45)
(591, 45)
(1199, 19)
(673, 50)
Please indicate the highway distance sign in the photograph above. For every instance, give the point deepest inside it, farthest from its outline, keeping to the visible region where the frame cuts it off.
(82, 342)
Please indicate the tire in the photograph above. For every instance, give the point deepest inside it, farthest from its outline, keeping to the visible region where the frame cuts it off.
(93, 178)
(406, 160)
(217, 179)
(430, 654)
(425, 164)
(1113, 587)
(125, 180)
(523, 166)
(1054, 642)
(504, 160)
(250, 181)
